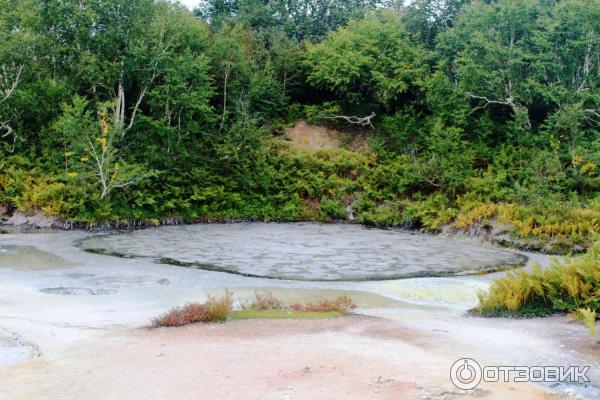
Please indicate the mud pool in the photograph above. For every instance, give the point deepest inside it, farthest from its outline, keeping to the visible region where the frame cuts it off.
(307, 252)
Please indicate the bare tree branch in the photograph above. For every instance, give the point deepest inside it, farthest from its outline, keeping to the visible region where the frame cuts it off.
(8, 85)
(510, 101)
(595, 113)
(594, 116)
(4, 126)
(361, 121)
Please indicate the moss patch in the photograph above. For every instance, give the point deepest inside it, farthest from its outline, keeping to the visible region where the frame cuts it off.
(284, 314)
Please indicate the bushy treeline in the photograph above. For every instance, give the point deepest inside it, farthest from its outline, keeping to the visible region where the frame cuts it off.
(116, 110)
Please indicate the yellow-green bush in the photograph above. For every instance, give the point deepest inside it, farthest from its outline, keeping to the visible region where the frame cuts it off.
(574, 224)
(564, 287)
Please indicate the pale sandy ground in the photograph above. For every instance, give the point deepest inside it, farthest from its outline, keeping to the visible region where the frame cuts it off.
(350, 358)
(99, 347)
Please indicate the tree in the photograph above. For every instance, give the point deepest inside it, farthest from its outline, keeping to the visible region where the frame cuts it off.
(299, 19)
(569, 54)
(490, 51)
(426, 19)
(173, 60)
(94, 147)
(22, 66)
(10, 77)
(370, 60)
(231, 67)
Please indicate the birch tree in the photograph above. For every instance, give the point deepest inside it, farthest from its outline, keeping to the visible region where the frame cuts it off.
(94, 147)
(10, 78)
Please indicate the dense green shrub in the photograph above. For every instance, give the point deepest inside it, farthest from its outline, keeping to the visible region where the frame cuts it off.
(491, 121)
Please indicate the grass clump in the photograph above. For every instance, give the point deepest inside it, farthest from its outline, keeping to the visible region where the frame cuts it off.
(263, 306)
(264, 301)
(342, 305)
(565, 287)
(213, 310)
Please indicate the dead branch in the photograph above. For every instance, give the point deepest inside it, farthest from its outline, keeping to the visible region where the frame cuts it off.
(510, 101)
(594, 115)
(593, 112)
(4, 126)
(361, 121)
(7, 85)
(120, 104)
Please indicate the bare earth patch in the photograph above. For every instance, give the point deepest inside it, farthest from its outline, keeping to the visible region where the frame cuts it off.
(310, 137)
(346, 358)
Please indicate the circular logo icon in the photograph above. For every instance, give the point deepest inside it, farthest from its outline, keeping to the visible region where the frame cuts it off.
(466, 374)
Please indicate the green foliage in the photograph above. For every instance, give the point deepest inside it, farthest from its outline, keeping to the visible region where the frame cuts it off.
(485, 113)
(587, 317)
(299, 19)
(92, 148)
(284, 314)
(571, 286)
(266, 95)
(369, 60)
(426, 19)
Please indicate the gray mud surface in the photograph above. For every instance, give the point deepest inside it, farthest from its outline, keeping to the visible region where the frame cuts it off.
(307, 252)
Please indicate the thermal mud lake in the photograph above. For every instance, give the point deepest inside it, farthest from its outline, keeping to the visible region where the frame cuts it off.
(307, 252)
(76, 308)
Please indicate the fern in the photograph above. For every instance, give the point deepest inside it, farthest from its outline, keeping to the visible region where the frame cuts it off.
(587, 317)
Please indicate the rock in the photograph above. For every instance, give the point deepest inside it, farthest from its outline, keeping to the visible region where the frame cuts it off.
(37, 220)
(570, 394)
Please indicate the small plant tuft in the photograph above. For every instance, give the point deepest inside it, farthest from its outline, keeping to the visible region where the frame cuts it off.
(342, 304)
(213, 310)
(263, 301)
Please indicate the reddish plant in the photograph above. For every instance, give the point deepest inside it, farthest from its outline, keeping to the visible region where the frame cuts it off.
(179, 316)
(342, 304)
(219, 309)
(214, 310)
(265, 301)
